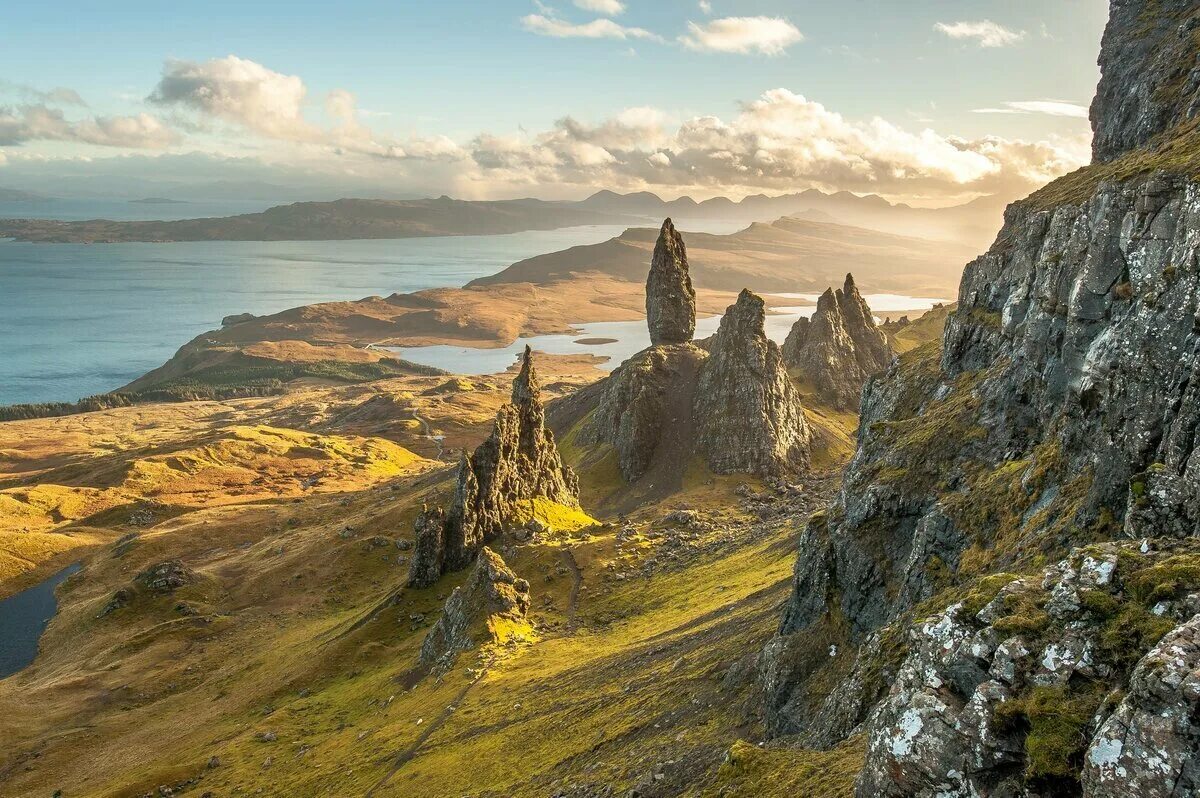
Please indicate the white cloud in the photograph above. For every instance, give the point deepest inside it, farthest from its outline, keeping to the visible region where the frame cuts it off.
(240, 91)
(41, 123)
(779, 142)
(1048, 107)
(985, 32)
(59, 95)
(609, 7)
(766, 35)
(596, 29)
(705, 7)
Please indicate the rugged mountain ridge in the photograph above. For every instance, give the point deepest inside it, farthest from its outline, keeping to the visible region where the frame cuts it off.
(1059, 412)
(840, 347)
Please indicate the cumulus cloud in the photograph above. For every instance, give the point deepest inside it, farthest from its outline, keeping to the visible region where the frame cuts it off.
(705, 7)
(596, 29)
(240, 91)
(782, 141)
(985, 32)
(766, 35)
(1047, 107)
(609, 7)
(39, 122)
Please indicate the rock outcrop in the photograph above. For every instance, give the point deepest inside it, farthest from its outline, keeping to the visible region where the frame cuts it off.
(518, 465)
(748, 414)
(670, 298)
(490, 607)
(840, 347)
(989, 695)
(1062, 409)
(1150, 80)
(728, 400)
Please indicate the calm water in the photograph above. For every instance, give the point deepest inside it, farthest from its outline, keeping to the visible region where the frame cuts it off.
(80, 319)
(23, 618)
(629, 337)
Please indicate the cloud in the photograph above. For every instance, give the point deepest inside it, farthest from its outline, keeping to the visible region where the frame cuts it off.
(39, 122)
(240, 91)
(985, 32)
(59, 95)
(609, 7)
(705, 7)
(1048, 107)
(766, 35)
(779, 142)
(596, 29)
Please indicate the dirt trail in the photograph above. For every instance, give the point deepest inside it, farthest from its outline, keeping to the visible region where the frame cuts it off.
(407, 755)
(577, 576)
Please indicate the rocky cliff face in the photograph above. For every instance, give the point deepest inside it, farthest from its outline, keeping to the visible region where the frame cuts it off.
(728, 401)
(1059, 411)
(839, 347)
(518, 464)
(1150, 78)
(748, 414)
(670, 298)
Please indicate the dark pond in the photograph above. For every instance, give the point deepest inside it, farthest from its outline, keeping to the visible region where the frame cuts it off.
(23, 618)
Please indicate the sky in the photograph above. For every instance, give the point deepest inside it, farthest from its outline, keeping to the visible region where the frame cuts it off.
(932, 102)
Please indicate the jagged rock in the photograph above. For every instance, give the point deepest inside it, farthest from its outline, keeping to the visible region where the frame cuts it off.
(840, 347)
(727, 399)
(1062, 409)
(645, 410)
(670, 298)
(518, 463)
(486, 608)
(165, 577)
(956, 719)
(1150, 79)
(748, 414)
(428, 559)
(1148, 746)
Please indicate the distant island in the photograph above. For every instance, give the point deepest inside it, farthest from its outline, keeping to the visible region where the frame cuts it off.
(326, 221)
(17, 195)
(973, 224)
(158, 201)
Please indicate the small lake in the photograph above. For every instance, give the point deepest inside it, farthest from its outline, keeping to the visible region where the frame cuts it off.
(622, 338)
(23, 618)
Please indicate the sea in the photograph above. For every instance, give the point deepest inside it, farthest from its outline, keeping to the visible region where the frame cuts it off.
(82, 319)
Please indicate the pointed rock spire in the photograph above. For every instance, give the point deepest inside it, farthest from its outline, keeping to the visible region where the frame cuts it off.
(748, 413)
(839, 347)
(670, 298)
(518, 463)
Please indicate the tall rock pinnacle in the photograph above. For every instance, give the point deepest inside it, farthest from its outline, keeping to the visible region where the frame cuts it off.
(518, 463)
(839, 347)
(670, 298)
(748, 413)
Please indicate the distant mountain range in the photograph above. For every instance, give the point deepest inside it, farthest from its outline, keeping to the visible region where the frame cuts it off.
(789, 254)
(973, 224)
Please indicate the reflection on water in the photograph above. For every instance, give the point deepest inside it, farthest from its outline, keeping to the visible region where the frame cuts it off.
(629, 337)
(23, 618)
